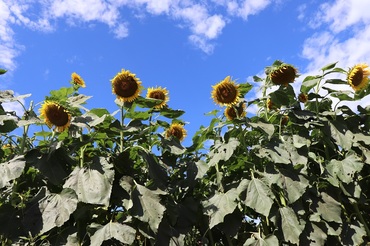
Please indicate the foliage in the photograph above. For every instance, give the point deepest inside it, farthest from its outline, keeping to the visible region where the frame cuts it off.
(292, 174)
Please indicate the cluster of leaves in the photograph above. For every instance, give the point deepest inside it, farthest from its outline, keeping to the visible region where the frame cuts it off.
(293, 174)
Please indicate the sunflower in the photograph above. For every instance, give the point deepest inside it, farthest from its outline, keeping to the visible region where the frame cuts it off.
(77, 80)
(283, 74)
(358, 76)
(226, 93)
(55, 114)
(303, 97)
(177, 130)
(126, 86)
(160, 94)
(231, 114)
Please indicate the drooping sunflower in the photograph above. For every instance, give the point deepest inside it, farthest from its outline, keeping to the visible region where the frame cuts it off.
(231, 114)
(55, 115)
(160, 94)
(283, 74)
(303, 97)
(126, 86)
(226, 92)
(77, 80)
(358, 76)
(177, 130)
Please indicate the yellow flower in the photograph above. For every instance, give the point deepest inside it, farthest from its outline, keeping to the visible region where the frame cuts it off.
(55, 114)
(358, 76)
(231, 114)
(77, 80)
(126, 86)
(283, 74)
(160, 94)
(177, 130)
(226, 93)
(303, 97)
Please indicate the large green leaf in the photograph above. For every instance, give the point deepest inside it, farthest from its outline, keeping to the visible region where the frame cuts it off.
(309, 82)
(146, 204)
(49, 210)
(341, 134)
(223, 151)
(290, 225)
(269, 129)
(329, 209)
(171, 113)
(11, 170)
(93, 183)
(345, 169)
(259, 197)
(123, 233)
(220, 205)
(257, 240)
(329, 66)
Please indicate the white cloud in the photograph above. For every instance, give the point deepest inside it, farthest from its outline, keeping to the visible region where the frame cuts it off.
(344, 36)
(203, 20)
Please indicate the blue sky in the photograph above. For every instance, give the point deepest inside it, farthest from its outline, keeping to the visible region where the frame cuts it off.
(186, 46)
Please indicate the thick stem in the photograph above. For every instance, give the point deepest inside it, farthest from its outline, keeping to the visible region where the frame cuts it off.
(355, 206)
(25, 128)
(121, 132)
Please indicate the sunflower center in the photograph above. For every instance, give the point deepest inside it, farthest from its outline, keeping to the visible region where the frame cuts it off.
(357, 77)
(125, 86)
(57, 115)
(158, 95)
(283, 76)
(226, 94)
(176, 132)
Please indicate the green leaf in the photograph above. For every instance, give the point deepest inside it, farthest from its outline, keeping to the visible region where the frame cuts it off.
(345, 169)
(61, 94)
(223, 151)
(49, 210)
(121, 232)
(8, 96)
(245, 88)
(11, 170)
(257, 240)
(257, 79)
(147, 102)
(2, 71)
(329, 66)
(290, 225)
(220, 205)
(309, 82)
(336, 81)
(8, 123)
(156, 172)
(269, 129)
(259, 197)
(146, 204)
(93, 184)
(171, 113)
(294, 184)
(77, 101)
(341, 134)
(329, 209)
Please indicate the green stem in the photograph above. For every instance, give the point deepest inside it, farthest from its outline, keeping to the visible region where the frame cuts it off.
(25, 128)
(361, 219)
(219, 178)
(121, 132)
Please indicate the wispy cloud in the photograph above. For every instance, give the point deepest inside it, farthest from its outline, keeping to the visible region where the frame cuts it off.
(200, 18)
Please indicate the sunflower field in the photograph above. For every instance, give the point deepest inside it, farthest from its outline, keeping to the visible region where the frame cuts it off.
(296, 172)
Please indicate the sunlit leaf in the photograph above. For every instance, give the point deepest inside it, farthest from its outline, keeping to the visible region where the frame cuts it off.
(259, 197)
(11, 170)
(93, 183)
(171, 113)
(329, 208)
(121, 232)
(245, 88)
(269, 129)
(329, 66)
(220, 205)
(2, 71)
(223, 151)
(309, 82)
(257, 240)
(290, 225)
(345, 169)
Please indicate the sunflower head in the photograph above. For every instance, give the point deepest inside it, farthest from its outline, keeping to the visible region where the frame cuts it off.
(77, 80)
(55, 115)
(176, 130)
(358, 76)
(226, 92)
(126, 86)
(283, 74)
(230, 112)
(303, 97)
(160, 94)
